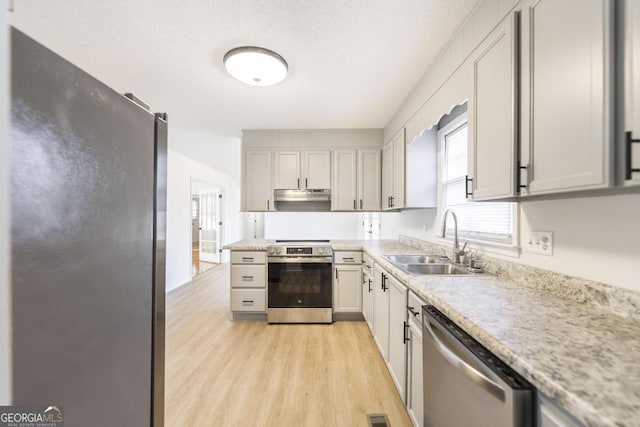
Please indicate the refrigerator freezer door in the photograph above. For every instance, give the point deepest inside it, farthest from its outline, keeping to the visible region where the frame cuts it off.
(82, 229)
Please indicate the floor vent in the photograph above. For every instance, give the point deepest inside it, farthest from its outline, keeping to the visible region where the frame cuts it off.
(378, 420)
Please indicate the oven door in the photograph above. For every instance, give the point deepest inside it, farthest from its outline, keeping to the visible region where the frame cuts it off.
(300, 282)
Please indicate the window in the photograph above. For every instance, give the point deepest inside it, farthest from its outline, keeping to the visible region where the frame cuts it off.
(371, 226)
(194, 209)
(482, 221)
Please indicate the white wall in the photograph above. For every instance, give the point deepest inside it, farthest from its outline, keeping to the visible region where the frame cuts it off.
(223, 170)
(5, 295)
(311, 225)
(596, 238)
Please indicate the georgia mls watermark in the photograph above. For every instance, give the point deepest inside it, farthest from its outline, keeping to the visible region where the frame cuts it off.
(31, 416)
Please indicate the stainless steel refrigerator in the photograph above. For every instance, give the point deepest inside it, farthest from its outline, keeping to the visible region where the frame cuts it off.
(88, 208)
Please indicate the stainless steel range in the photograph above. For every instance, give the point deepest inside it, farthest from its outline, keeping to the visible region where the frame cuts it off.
(299, 287)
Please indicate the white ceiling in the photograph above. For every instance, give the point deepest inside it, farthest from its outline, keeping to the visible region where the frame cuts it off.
(351, 62)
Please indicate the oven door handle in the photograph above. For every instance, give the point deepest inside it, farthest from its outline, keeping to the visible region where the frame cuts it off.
(299, 259)
(469, 371)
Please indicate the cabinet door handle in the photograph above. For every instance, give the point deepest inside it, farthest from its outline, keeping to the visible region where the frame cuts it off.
(384, 283)
(369, 285)
(306, 183)
(392, 201)
(520, 169)
(360, 204)
(336, 274)
(629, 167)
(298, 182)
(354, 204)
(267, 204)
(467, 180)
(405, 335)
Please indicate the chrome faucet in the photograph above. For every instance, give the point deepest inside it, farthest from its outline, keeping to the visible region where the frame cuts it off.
(456, 247)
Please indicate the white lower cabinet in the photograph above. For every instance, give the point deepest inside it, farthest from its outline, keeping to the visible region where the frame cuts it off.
(381, 310)
(347, 293)
(248, 282)
(414, 360)
(347, 282)
(367, 291)
(248, 300)
(398, 329)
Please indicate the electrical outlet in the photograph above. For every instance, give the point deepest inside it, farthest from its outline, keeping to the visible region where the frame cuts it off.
(539, 242)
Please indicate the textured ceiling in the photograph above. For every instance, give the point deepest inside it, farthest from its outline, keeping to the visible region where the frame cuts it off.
(351, 62)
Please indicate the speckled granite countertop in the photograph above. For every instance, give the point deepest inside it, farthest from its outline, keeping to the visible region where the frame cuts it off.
(585, 358)
(249, 245)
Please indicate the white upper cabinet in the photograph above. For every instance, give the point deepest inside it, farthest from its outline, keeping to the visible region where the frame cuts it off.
(302, 169)
(356, 180)
(343, 196)
(493, 139)
(398, 200)
(387, 175)
(369, 181)
(566, 88)
(630, 155)
(316, 170)
(258, 181)
(393, 172)
(286, 170)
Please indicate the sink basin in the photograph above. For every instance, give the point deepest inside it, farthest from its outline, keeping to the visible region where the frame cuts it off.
(444, 269)
(415, 259)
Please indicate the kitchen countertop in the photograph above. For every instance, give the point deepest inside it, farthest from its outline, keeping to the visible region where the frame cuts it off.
(586, 359)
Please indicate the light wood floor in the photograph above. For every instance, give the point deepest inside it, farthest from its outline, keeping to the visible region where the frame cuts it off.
(197, 266)
(223, 373)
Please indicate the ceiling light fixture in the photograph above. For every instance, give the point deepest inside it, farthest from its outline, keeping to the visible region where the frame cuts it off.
(256, 66)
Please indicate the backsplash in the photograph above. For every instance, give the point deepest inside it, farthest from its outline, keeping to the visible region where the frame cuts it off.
(620, 301)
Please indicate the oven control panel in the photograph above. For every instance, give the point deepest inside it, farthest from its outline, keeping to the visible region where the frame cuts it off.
(282, 250)
(299, 251)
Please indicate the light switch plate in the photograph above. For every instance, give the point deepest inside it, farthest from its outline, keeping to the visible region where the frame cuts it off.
(539, 242)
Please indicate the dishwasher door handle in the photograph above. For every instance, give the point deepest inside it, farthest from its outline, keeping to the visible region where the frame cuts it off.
(469, 371)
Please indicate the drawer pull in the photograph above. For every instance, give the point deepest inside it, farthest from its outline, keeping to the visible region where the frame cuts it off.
(247, 301)
(348, 259)
(247, 259)
(247, 278)
(413, 311)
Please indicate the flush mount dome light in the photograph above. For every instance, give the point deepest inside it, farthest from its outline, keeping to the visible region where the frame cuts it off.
(255, 65)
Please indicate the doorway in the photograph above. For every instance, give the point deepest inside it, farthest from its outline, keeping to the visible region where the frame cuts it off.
(206, 226)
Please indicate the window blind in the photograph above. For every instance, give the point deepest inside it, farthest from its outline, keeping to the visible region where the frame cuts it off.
(489, 221)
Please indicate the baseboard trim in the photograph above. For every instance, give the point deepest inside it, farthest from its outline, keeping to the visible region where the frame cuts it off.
(348, 317)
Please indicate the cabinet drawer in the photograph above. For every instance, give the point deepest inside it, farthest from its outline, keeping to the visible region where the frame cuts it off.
(248, 257)
(248, 276)
(416, 303)
(347, 257)
(248, 300)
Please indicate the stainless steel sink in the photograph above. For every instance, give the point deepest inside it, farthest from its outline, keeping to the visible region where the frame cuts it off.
(430, 264)
(415, 259)
(444, 269)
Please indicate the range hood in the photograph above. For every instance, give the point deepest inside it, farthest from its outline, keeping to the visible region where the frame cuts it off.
(302, 200)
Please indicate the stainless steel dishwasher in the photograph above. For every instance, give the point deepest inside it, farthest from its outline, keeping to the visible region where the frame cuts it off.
(465, 384)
